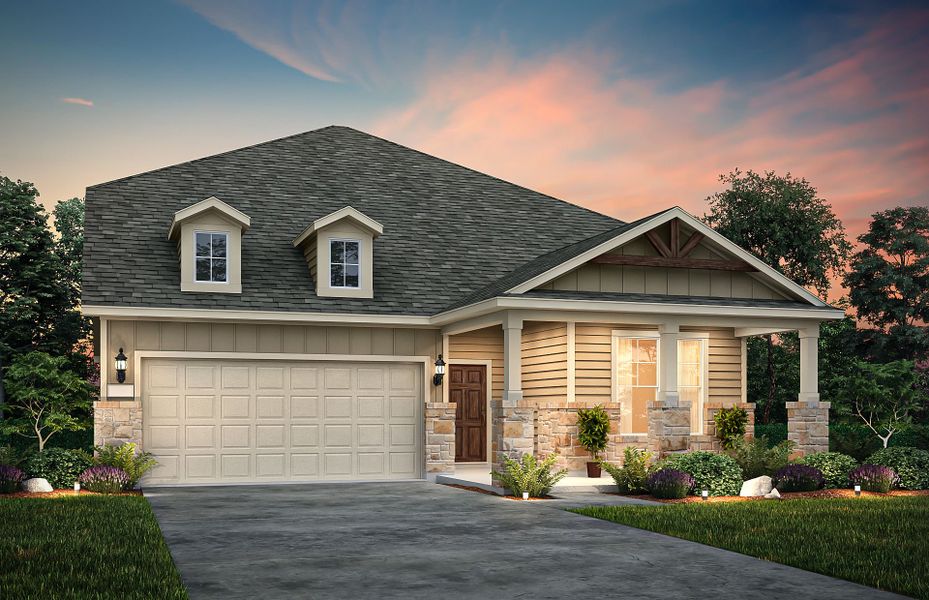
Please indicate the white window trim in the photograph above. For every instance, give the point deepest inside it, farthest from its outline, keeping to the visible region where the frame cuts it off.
(652, 334)
(228, 258)
(360, 274)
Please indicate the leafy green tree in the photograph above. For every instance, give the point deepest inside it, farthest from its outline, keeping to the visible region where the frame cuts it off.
(783, 221)
(45, 398)
(882, 396)
(69, 223)
(889, 278)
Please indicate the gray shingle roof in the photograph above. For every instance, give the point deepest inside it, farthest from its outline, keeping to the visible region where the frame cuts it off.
(450, 233)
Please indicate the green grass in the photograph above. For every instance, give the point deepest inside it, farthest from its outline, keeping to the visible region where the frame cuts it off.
(879, 542)
(84, 547)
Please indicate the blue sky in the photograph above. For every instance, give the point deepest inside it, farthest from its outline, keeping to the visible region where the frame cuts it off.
(616, 106)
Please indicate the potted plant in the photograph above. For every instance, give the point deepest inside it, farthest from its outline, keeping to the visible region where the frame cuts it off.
(593, 429)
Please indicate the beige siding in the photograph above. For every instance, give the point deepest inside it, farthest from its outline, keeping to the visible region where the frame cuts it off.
(725, 367)
(292, 339)
(544, 361)
(481, 344)
(666, 282)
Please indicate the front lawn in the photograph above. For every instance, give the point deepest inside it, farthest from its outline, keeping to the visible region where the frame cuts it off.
(84, 547)
(879, 542)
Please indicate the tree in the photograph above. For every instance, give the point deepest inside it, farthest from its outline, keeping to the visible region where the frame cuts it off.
(69, 223)
(882, 396)
(889, 278)
(45, 398)
(784, 222)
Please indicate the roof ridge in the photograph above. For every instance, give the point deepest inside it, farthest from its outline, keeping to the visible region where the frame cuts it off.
(210, 156)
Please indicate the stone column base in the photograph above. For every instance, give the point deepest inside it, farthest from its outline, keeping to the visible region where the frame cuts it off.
(117, 422)
(513, 433)
(808, 426)
(440, 438)
(668, 427)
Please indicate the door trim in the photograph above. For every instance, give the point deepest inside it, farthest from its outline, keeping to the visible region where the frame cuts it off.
(488, 365)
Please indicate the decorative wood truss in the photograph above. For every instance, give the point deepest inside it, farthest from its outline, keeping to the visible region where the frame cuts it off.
(674, 255)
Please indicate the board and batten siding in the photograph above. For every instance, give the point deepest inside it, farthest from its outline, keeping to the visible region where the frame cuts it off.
(629, 279)
(250, 338)
(544, 361)
(481, 345)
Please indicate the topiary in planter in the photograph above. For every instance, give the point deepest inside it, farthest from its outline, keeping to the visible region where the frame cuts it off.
(874, 478)
(10, 478)
(104, 480)
(910, 464)
(593, 431)
(721, 475)
(834, 466)
(669, 483)
(798, 478)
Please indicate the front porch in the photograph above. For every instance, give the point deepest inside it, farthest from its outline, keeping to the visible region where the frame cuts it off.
(660, 378)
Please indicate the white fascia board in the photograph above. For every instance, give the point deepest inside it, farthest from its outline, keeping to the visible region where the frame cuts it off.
(779, 279)
(211, 203)
(348, 212)
(198, 314)
(632, 308)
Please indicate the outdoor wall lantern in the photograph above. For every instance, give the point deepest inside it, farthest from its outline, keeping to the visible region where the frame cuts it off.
(121, 366)
(439, 371)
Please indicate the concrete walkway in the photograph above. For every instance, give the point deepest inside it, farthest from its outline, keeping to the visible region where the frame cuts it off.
(421, 540)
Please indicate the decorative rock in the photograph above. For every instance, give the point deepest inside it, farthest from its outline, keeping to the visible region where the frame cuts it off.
(37, 485)
(759, 486)
(773, 494)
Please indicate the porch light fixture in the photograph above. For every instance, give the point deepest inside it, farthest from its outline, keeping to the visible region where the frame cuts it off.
(857, 490)
(705, 494)
(121, 366)
(439, 371)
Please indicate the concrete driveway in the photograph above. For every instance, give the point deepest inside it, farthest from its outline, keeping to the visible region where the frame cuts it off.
(421, 540)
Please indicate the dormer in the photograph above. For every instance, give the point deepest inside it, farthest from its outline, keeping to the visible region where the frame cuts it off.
(339, 249)
(208, 235)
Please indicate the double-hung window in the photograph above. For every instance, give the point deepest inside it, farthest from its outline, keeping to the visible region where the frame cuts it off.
(211, 260)
(691, 378)
(636, 380)
(344, 263)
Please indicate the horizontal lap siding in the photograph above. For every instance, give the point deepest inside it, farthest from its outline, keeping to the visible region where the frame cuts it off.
(482, 344)
(544, 361)
(594, 360)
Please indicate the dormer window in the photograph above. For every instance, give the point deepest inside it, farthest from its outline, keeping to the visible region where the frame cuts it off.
(211, 258)
(345, 264)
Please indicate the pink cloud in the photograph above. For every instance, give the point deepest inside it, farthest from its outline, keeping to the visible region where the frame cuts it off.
(78, 101)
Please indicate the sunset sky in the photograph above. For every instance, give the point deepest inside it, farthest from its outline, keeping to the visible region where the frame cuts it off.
(623, 107)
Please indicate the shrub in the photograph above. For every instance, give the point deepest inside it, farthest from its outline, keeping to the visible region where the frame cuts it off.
(798, 478)
(630, 478)
(59, 466)
(774, 432)
(874, 478)
(834, 466)
(910, 464)
(669, 483)
(718, 473)
(124, 457)
(104, 480)
(757, 457)
(593, 429)
(10, 478)
(730, 425)
(530, 475)
(10, 456)
(852, 439)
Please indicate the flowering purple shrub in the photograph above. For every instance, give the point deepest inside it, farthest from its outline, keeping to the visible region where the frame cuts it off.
(798, 478)
(669, 483)
(874, 478)
(105, 480)
(10, 478)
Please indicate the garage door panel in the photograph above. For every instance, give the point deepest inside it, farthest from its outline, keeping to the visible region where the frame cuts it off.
(240, 421)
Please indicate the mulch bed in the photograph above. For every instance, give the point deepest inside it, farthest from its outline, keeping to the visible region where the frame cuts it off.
(471, 488)
(60, 493)
(785, 496)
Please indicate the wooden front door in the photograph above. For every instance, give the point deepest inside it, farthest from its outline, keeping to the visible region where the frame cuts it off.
(468, 388)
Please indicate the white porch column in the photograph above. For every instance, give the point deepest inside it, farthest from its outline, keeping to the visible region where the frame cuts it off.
(667, 364)
(809, 365)
(512, 359)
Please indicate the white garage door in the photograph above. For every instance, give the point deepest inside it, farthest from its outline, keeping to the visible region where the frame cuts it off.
(209, 421)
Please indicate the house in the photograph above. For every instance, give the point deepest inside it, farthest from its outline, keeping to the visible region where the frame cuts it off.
(285, 309)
